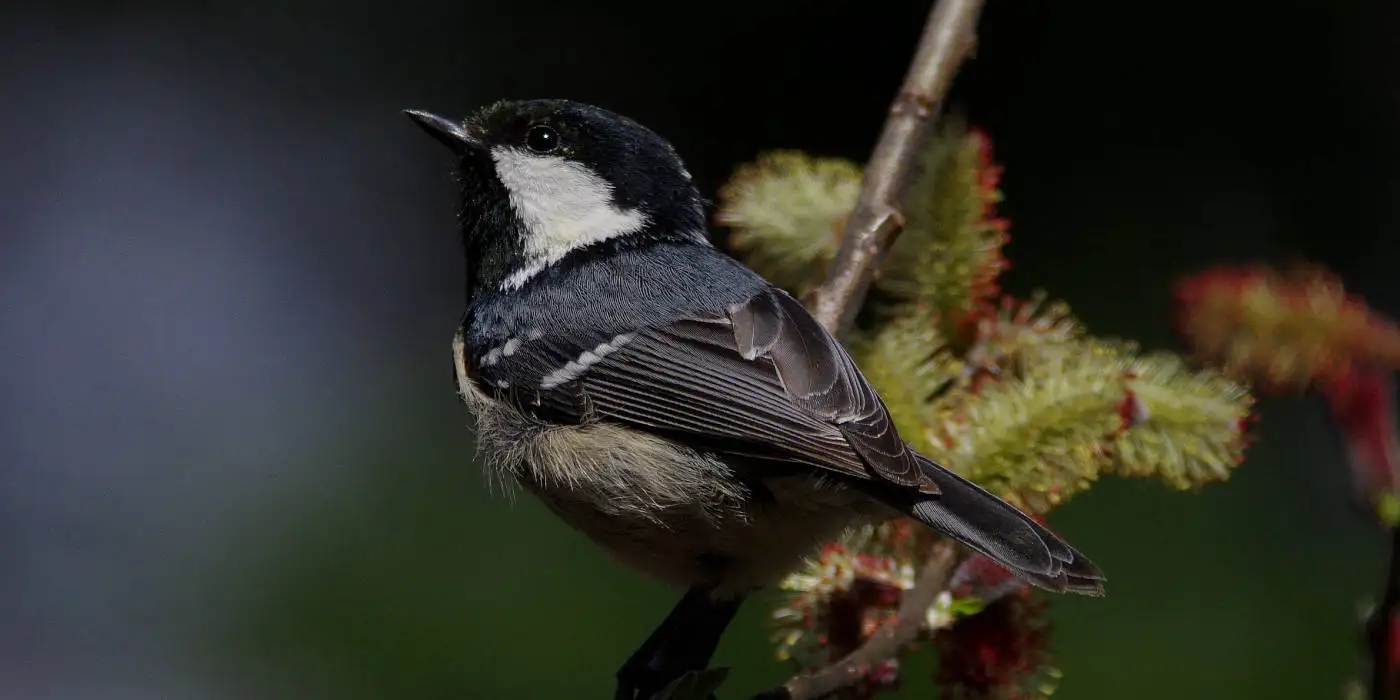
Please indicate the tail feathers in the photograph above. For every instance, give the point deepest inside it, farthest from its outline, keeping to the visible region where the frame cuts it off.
(987, 524)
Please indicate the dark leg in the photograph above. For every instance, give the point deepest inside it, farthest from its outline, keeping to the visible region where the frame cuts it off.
(683, 642)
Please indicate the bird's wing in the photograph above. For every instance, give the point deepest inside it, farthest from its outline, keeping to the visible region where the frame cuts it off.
(760, 379)
(764, 380)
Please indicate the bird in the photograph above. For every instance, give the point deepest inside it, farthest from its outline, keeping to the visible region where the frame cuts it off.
(680, 411)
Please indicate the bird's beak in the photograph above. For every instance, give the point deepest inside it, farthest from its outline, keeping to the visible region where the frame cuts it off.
(447, 132)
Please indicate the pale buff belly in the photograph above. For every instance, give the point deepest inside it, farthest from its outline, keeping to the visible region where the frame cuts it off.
(670, 512)
(733, 551)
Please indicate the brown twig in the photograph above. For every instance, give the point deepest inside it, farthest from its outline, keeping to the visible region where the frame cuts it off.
(949, 36)
(886, 641)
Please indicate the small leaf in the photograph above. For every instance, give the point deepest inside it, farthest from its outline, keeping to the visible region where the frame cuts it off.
(962, 607)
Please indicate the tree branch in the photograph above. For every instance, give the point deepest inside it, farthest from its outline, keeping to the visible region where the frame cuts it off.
(886, 641)
(1381, 637)
(949, 36)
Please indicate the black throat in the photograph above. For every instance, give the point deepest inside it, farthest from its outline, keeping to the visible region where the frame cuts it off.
(493, 237)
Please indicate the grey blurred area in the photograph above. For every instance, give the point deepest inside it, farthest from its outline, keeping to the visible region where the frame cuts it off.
(231, 461)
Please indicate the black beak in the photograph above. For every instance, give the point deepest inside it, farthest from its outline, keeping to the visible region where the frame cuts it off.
(447, 132)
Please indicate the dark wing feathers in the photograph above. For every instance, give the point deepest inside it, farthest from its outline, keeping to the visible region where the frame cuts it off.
(820, 378)
(679, 380)
(977, 518)
(765, 376)
(764, 379)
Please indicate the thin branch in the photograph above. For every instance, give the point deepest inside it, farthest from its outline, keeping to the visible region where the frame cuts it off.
(885, 643)
(1381, 637)
(948, 38)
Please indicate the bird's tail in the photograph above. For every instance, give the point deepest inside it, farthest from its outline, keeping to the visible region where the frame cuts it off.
(973, 516)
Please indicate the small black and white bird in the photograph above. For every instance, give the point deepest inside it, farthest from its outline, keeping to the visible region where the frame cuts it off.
(665, 400)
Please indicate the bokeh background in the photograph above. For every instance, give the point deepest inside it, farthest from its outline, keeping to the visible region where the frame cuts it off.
(231, 461)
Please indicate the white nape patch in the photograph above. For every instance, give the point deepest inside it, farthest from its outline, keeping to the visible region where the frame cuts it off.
(563, 204)
(512, 344)
(575, 368)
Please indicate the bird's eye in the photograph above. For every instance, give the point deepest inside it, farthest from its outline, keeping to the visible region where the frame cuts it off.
(542, 139)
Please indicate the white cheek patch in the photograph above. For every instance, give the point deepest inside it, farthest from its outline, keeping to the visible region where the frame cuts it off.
(563, 205)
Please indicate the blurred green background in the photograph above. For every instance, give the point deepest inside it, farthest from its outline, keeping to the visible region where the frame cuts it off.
(231, 461)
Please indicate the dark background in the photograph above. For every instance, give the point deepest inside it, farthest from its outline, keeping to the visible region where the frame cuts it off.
(231, 461)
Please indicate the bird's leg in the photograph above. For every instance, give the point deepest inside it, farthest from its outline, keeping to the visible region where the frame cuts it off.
(683, 642)
(636, 671)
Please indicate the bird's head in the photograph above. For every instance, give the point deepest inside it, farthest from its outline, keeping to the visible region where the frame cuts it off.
(542, 180)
